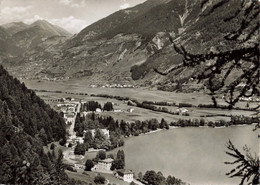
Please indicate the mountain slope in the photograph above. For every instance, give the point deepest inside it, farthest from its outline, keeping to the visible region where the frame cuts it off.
(14, 27)
(126, 46)
(7, 45)
(26, 125)
(37, 33)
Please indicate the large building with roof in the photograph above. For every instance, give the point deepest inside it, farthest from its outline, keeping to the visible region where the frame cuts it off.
(125, 175)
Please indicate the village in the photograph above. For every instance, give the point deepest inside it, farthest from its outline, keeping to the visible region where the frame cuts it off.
(70, 107)
(84, 105)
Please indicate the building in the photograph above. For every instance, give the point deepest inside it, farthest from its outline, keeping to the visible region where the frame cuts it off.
(104, 131)
(79, 166)
(125, 175)
(103, 165)
(69, 118)
(98, 110)
(131, 110)
(181, 110)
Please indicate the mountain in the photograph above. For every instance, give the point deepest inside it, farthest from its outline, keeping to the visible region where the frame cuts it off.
(7, 45)
(14, 27)
(36, 33)
(126, 46)
(26, 125)
(18, 38)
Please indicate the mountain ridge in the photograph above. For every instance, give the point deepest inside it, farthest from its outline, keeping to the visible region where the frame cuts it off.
(130, 43)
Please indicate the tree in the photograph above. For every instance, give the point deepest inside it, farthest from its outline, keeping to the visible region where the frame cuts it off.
(164, 124)
(140, 175)
(247, 165)
(119, 162)
(52, 146)
(89, 138)
(99, 179)
(63, 141)
(99, 138)
(153, 124)
(60, 168)
(80, 149)
(88, 165)
(101, 155)
(239, 55)
(108, 106)
(121, 158)
(150, 177)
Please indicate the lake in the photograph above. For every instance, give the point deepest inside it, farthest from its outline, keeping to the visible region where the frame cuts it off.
(195, 155)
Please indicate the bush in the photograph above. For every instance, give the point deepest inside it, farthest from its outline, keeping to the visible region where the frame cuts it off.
(69, 168)
(62, 142)
(89, 164)
(101, 155)
(99, 179)
(52, 146)
(108, 106)
(80, 149)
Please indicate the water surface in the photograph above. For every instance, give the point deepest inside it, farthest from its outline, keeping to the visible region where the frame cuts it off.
(196, 155)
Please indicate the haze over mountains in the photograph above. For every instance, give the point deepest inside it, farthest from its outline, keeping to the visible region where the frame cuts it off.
(124, 47)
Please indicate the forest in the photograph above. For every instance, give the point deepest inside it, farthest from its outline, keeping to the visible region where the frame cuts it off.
(26, 125)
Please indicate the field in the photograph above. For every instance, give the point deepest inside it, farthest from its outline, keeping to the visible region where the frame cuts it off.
(79, 90)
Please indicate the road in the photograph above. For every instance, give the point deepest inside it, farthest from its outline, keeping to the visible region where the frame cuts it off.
(71, 130)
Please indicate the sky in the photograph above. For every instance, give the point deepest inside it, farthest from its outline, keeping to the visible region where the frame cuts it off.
(72, 15)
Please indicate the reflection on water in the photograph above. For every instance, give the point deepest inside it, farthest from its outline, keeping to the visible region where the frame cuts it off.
(196, 155)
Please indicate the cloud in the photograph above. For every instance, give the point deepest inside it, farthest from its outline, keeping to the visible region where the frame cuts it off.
(65, 2)
(16, 13)
(124, 6)
(73, 3)
(33, 19)
(70, 23)
(15, 10)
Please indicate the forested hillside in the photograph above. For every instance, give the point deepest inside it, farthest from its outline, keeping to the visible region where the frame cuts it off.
(26, 125)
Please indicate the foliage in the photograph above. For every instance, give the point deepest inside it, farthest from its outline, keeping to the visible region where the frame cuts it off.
(151, 177)
(91, 106)
(247, 166)
(119, 162)
(89, 164)
(89, 139)
(52, 146)
(234, 65)
(101, 155)
(99, 179)
(80, 149)
(108, 106)
(26, 125)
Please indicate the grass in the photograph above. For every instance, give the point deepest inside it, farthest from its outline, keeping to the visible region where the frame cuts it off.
(88, 177)
(141, 94)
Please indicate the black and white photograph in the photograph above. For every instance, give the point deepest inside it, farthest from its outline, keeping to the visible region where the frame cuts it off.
(129, 92)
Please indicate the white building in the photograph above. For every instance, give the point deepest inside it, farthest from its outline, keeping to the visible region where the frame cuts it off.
(79, 166)
(125, 175)
(131, 110)
(69, 118)
(182, 110)
(104, 131)
(103, 165)
(118, 110)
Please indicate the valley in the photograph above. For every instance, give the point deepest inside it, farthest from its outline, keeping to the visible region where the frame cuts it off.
(160, 92)
(177, 144)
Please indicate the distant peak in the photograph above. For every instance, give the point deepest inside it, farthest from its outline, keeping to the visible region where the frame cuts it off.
(40, 22)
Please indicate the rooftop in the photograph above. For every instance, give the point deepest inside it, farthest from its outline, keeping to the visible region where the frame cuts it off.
(124, 172)
(108, 160)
